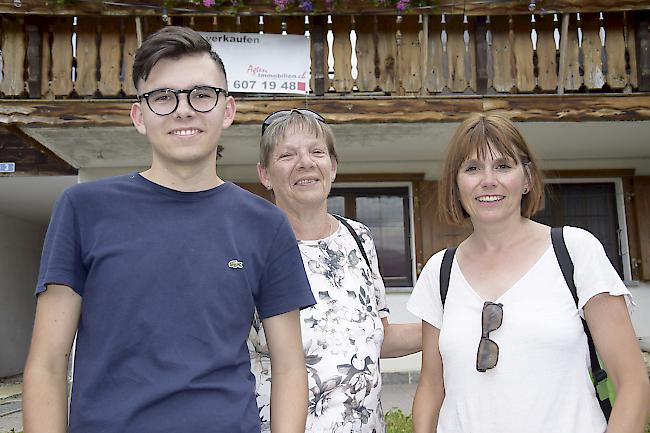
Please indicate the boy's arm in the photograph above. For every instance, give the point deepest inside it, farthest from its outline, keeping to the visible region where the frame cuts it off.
(288, 372)
(45, 399)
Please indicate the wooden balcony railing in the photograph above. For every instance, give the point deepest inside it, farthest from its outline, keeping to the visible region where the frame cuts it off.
(58, 57)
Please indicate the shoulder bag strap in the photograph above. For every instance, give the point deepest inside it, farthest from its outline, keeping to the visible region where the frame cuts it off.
(566, 266)
(445, 272)
(355, 235)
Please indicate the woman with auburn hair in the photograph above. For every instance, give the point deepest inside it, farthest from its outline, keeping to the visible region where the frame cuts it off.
(504, 348)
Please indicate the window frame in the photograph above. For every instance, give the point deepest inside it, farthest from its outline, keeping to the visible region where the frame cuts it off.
(623, 240)
(411, 220)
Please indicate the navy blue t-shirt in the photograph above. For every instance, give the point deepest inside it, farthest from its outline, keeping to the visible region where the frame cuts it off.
(169, 283)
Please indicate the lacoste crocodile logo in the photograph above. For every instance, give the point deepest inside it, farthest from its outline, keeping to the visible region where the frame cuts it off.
(235, 264)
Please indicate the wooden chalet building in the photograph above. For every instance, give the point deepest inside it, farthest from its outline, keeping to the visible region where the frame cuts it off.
(574, 75)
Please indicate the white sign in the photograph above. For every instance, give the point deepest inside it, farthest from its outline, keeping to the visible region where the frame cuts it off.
(7, 167)
(263, 63)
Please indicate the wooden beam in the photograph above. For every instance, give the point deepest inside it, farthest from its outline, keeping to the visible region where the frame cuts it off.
(31, 157)
(361, 7)
(350, 110)
(564, 44)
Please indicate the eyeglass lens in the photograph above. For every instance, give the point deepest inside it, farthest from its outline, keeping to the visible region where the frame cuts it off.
(165, 101)
(487, 354)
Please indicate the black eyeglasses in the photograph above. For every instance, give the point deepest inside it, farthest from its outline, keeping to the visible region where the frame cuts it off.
(165, 101)
(487, 355)
(285, 113)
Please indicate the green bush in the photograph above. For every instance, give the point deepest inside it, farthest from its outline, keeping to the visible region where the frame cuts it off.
(397, 422)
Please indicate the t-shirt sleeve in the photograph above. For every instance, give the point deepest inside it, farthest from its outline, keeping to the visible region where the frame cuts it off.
(61, 261)
(593, 272)
(425, 300)
(283, 286)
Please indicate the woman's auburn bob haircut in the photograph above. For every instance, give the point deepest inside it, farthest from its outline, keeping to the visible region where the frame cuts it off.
(486, 135)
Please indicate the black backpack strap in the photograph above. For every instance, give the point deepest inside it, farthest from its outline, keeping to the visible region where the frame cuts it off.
(355, 235)
(445, 272)
(566, 266)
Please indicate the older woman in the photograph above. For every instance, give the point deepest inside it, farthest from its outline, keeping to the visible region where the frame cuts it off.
(505, 350)
(347, 331)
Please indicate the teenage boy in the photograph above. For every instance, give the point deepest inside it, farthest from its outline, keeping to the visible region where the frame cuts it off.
(160, 272)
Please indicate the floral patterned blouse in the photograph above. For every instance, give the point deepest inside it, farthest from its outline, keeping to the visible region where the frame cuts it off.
(342, 336)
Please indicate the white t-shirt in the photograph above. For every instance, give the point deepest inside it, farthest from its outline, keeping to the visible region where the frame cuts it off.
(342, 336)
(541, 382)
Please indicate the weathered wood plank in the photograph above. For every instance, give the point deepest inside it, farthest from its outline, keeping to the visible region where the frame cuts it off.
(86, 79)
(110, 56)
(46, 61)
(361, 7)
(129, 49)
(409, 68)
(456, 50)
(14, 49)
(33, 59)
(642, 34)
(615, 49)
(226, 24)
(342, 52)
(523, 54)
(546, 53)
(642, 205)
(572, 79)
(503, 59)
(387, 53)
(631, 46)
(249, 24)
(295, 25)
(471, 61)
(273, 24)
(62, 57)
(205, 24)
(592, 51)
(319, 53)
(534, 108)
(365, 27)
(435, 80)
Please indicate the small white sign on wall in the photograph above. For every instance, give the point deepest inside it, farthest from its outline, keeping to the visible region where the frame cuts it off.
(263, 63)
(7, 167)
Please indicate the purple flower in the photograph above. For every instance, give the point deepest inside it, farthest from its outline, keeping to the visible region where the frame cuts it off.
(306, 5)
(208, 3)
(281, 4)
(402, 5)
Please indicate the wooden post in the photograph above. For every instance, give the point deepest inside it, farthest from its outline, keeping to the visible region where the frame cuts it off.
(643, 50)
(33, 61)
(481, 56)
(564, 33)
(318, 34)
(424, 52)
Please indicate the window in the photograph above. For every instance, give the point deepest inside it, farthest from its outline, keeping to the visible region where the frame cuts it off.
(594, 205)
(386, 211)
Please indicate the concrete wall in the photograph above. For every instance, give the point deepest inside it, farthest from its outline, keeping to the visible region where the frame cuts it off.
(20, 253)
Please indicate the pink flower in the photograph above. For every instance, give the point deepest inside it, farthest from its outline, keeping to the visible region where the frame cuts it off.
(208, 3)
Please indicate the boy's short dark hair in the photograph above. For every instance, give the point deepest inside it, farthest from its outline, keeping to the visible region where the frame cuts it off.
(171, 42)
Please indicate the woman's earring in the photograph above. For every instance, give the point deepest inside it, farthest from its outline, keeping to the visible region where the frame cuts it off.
(269, 187)
(525, 190)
